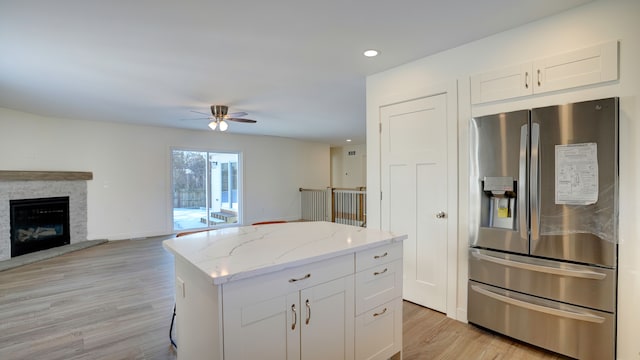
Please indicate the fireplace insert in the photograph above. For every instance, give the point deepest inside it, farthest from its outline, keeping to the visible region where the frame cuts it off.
(38, 224)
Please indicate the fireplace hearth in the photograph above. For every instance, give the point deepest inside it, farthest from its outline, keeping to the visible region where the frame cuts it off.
(38, 224)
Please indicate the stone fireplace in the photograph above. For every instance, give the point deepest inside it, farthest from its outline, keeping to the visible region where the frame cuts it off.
(27, 187)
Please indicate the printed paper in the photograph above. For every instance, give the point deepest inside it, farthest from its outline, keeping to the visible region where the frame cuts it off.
(577, 174)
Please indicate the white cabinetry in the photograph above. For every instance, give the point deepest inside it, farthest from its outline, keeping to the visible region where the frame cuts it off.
(378, 326)
(509, 82)
(326, 327)
(287, 292)
(586, 66)
(304, 313)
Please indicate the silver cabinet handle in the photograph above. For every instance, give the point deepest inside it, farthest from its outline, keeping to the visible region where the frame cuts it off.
(585, 274)
(526, 79)
(539, 308)
(306, 303)
(441, 215)
(376, 273)
(381, 256)
(380, 313)
(295, 316)
(298, 279)
(539, 77)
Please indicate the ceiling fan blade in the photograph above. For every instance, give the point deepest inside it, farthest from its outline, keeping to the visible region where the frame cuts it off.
(241, 120)
(237, 114)
(198, 112)
(205, 118)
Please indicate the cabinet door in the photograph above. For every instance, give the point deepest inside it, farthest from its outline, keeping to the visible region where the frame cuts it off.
(255, 328)
(587, 66)
(261, 320)
(328, 320)
(502, 84)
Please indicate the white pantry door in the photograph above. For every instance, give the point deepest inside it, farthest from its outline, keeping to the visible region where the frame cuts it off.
(414, 193)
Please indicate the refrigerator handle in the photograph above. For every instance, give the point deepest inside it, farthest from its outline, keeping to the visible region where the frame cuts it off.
(583, 274)
(534, 181)
(539, 308)
(522, 182)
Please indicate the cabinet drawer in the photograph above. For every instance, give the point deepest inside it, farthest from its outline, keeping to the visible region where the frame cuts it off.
(288, 280)
(379, 255)
(319, 272)
(379, 331)
(377, 285)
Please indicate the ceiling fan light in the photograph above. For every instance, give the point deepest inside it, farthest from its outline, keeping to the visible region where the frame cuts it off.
(213, 124)
(223, 125)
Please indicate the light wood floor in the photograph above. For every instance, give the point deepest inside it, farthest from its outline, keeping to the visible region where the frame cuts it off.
(114, 301)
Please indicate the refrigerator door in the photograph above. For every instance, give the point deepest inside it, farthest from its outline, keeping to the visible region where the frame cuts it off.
(574, 182)
(499, 147)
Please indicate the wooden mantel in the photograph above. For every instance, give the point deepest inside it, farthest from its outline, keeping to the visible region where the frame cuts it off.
(6, 175)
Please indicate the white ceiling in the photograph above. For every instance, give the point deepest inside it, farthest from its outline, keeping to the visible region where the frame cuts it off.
(296, 66)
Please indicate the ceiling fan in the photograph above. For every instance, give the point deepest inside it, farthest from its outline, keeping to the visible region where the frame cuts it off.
(219, 117)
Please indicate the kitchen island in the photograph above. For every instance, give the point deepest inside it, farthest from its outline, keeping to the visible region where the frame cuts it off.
(301, 290)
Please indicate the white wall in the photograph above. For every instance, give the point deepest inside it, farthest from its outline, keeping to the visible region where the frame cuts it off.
(348, 171)
(588, 25)
(130, 193)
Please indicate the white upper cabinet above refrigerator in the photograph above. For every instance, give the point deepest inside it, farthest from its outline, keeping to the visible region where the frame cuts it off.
(506, 83)
(592, 65)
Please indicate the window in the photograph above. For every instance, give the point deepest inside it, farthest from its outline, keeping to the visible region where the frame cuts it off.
(204, 188)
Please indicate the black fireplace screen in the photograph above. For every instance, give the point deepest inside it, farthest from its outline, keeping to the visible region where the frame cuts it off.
(39, 224)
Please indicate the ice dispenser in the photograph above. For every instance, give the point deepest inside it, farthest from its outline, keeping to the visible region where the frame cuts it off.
(499, 202)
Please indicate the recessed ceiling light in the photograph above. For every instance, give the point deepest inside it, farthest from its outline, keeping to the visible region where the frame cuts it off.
(371, 53)
(348, 140)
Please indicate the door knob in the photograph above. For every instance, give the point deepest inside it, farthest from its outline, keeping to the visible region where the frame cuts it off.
(441, 215)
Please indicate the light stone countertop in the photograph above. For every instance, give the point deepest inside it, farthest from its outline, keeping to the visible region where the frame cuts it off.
(241, 252)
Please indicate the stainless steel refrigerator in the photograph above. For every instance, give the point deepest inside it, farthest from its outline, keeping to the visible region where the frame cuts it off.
(543, 226)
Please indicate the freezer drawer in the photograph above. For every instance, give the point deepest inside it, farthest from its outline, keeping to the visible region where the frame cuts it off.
(569, 330)
(581, 285)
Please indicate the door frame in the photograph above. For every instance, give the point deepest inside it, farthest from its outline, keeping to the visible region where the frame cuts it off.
(450, 89)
